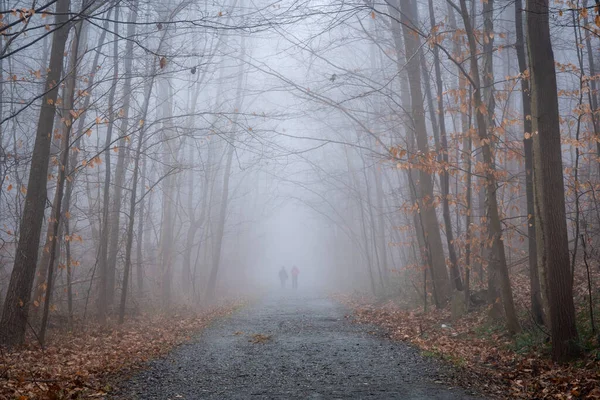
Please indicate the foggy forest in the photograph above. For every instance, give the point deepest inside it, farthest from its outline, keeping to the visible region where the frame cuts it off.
(293, 199)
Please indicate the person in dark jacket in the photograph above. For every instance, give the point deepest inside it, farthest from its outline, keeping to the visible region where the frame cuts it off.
(283, 276)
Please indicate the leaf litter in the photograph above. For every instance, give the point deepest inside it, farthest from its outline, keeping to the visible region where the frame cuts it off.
(83, 364)
(485, 358)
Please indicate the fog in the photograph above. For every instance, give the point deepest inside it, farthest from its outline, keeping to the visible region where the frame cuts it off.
(193, 149)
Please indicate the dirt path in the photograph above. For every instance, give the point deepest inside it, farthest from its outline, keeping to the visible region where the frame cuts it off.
(291, 346)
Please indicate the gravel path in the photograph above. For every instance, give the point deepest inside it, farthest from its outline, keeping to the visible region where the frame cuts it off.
(291, 346)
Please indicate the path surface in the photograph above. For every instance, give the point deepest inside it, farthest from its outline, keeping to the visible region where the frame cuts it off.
(309, 351)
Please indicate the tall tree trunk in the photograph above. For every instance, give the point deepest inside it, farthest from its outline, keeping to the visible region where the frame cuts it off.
(593, 92)
(411, 173)
(167, 239)
(134, 188)
(464, 102)
(239, 98)
(42, 269)
(444, 176)
(16, 306)
(441, 282)
(551, 221)
(383, 248)
(363, 221)
(212, 280)
(69, 273)
(372, 221)
(537, 310)
(497, 258)
(114, 226)
(139, 257)
(468, 165)
(104, 275)
(56, 216)
(130, 226)
(487, 93)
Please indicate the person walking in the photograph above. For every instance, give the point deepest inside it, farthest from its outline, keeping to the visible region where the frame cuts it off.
(295, 272)
(283, 276)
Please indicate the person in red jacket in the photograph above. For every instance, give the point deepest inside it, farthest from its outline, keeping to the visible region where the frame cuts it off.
(295, 272)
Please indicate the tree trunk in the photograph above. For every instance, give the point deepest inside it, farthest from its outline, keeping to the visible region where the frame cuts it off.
(497, 257)
(104, 275)
(63, 169)
(133, 197)
(113, 226)
(69, 273)
(212, 280)
(363, 222)
(549, 185)
(372, 221)
(441, 282)
(139, 257)
(593, 92)
(16, 306)
(383, 248)
(411, 174)
(537, 310)
(168, 203)
(464, 99)
(239, 98)
(42, 269)
(444, 177)
(487, 92)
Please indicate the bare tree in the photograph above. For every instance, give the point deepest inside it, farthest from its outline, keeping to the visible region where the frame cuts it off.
(16, 306)
(551, 224)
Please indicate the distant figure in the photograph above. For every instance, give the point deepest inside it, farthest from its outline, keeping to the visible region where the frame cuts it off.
(283, 276)
(295, 272)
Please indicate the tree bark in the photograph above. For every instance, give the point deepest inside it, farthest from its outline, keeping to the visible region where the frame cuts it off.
(411, 174)
(139, 257)
(593, 92)
(113, 225)
(487, 92)
(239, 98)
(104, 275)
(497, 256)
(441, 282)
(444, 176)
(63, 169)
(537, 310)
(133, 197)
(549, 186)
(16, 306)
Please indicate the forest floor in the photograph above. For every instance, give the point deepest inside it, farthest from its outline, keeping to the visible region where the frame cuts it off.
(83, 363)
(497, 364)
(292, 346)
